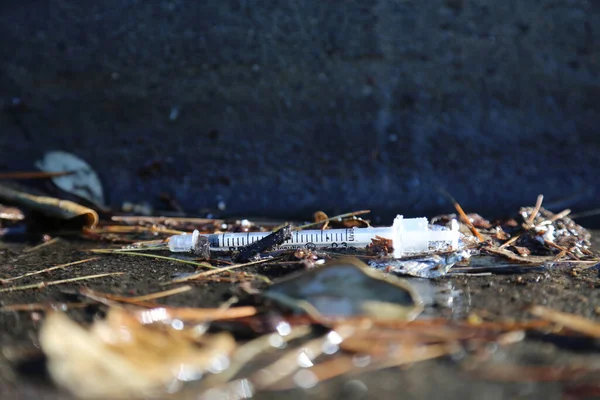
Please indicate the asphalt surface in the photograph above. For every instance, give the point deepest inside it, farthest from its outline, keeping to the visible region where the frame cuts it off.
(498, 297)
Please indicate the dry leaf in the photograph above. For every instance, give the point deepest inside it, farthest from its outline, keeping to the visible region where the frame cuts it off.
(120, 358)
(83, 181)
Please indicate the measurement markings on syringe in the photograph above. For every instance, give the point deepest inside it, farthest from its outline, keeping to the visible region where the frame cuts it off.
(311, 240)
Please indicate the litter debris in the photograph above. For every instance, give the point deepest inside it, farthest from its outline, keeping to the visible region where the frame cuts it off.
(428, 266)
(82, 180)
(322, 317)
(346, 288)
(411, 235)
(534, 240)
(546, 232)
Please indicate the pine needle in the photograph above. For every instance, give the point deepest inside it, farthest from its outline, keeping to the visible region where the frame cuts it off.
(49, 269)
(42, 285)
(463, 215)
(136, 299)
(42, 245)
(133, 253)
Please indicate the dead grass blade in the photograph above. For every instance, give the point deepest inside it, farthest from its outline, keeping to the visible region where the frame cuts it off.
(135, 253)
(49, 269)
(42, 285)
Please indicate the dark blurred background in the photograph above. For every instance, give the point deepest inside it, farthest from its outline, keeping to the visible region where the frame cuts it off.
(282, 108)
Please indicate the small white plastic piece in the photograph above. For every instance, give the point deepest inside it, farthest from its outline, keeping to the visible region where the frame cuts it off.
(408, 235)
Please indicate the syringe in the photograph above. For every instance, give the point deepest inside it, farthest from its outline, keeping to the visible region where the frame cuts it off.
(410, 235)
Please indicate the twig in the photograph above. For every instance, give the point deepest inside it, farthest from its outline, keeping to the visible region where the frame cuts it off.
(352, 214)
(42, 245)
(42, 285)
(562, 249)
(462, 215)
(560, 215)
(160, 295)
(535, 211)
(467, 221)
(49, 269)
(509, 241)
(195, 314)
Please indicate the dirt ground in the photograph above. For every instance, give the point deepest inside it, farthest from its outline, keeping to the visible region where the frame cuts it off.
(496, 297)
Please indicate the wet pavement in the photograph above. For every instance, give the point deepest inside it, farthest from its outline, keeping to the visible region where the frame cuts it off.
(491, 297)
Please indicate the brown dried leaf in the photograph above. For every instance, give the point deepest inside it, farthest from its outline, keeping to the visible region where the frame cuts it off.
(120, 358)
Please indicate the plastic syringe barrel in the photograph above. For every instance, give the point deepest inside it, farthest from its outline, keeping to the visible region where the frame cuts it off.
(316, 238)
(411, 235)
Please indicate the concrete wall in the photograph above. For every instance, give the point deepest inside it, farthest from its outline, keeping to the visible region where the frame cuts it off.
(286, 107)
